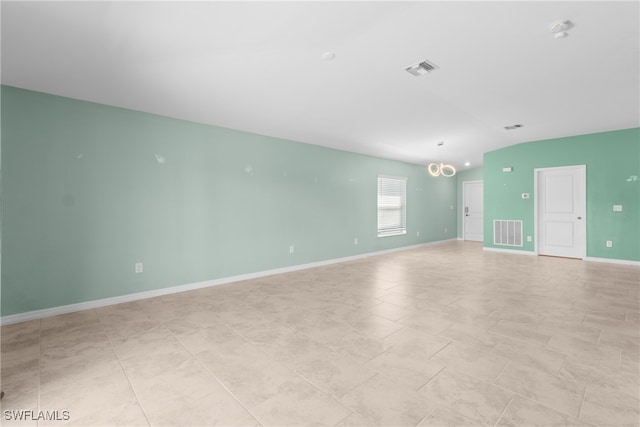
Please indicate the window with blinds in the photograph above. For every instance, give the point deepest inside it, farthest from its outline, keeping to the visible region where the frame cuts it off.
(392, 205)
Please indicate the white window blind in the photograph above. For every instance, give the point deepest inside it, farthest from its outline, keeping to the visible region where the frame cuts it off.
(392, 205)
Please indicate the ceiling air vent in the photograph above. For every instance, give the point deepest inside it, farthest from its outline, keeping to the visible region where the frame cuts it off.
(421, 68)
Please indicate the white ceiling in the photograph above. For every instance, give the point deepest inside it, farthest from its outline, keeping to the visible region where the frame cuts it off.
(256, 66)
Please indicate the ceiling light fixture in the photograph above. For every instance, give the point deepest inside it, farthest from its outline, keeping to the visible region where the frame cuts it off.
(467, 163)
(559, 28)
(440, 169)
(421, 68)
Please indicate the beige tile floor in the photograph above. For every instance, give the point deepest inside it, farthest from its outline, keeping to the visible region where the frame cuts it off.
(445, 335)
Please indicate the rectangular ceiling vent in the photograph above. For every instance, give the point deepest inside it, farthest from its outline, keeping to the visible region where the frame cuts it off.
(421, 68)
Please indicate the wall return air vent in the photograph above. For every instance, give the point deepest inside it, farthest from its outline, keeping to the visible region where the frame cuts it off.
(421, 68)
(507, 232)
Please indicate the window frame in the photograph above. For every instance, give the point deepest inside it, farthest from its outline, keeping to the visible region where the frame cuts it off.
(401, 228)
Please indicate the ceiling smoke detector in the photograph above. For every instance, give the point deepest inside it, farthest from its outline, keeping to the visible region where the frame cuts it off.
(328, 56)
(421, 68)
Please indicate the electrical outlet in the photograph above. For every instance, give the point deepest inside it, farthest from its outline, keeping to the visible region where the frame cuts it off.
(528, 238)
(292, 249)
(139, 268)
(445, 229)
(417, 234)
(609, 243)
(617, 208)
(355, 241)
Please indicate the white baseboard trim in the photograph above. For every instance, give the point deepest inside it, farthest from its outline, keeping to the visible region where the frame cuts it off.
(87, 305)
(592, 259)
(613, 261)
(508, 251)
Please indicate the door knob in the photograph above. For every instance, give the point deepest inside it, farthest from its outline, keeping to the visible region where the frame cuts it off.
(579, 217)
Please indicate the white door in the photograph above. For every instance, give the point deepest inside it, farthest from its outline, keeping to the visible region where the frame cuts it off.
(473, 210)
(561, 209)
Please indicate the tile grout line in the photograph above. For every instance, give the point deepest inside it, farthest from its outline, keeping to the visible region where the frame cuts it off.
(344, 418)
(133, 389)
(509, 361)
(504, 410)
(584, 396)
(124, 372)
(528, 398)
(211, 373)
(566, 357)
(553, 409)
(439, 350)
(377, 374)
(419, 390)
(429, 413)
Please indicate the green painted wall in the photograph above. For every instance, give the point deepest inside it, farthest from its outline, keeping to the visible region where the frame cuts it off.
(611, 159)
(474, 174)
(86, 195)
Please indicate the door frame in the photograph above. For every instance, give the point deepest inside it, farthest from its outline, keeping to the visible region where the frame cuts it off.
(536, 205)
(464, 198)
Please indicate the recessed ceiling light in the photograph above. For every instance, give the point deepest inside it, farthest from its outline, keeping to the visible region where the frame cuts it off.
(467, 163)
(328, 56)
(512, 127)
